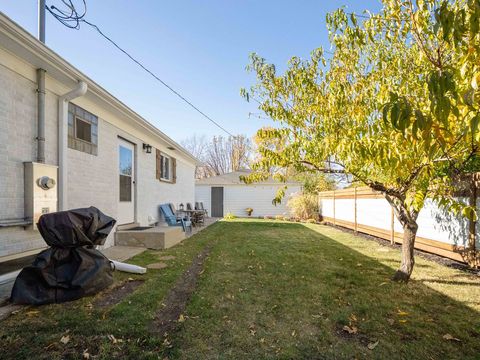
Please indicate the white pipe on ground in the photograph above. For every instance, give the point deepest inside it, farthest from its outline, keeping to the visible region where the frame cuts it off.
(134, 269)
(63, 100)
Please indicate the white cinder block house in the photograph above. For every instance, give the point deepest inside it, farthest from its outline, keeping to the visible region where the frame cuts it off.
(97, 151)
(226, 193)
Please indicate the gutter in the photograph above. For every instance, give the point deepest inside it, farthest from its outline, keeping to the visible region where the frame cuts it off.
(63, 100)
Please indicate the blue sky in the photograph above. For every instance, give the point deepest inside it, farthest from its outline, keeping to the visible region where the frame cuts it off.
(199, 47)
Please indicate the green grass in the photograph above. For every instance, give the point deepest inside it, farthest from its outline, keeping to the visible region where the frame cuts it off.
(270, 289)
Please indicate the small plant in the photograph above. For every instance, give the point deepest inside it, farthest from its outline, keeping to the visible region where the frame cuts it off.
(311, 221)
(278, 217)
(249, 211)
(303, 206)
(268, 217)
(229, 216)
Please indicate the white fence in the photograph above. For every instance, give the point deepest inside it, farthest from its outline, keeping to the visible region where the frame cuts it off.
(366, 211)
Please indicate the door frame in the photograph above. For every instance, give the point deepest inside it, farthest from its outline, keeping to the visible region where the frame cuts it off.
(134, 177)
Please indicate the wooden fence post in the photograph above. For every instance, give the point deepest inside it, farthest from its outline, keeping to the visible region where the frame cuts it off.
(334, 221)
(392, 226)
(355, 207)
(472, 225)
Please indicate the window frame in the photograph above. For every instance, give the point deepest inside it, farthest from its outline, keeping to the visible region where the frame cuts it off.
(75, 128)
(75, 115)
(162, 170)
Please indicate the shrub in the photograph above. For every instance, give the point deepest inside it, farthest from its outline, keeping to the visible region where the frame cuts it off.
(303, 206)
(310, 221)
(249, 211)
(229, 216)
(278, 217)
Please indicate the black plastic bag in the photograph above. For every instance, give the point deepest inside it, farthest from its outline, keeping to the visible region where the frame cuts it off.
(71, 268)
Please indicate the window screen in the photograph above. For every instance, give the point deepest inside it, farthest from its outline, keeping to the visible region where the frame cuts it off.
(83, 130)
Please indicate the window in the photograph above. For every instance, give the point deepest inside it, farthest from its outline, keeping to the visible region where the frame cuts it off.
(82, 130)
(166, 167)
(126, 172)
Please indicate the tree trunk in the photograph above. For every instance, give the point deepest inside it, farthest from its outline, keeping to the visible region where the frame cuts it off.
(406, 267)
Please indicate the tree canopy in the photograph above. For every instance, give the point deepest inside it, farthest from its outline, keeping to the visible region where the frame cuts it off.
(395, 103)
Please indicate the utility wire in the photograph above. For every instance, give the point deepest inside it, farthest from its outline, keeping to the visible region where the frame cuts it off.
(72, 19)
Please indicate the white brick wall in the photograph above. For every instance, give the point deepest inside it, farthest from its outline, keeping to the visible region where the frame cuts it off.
(18, 114)
(92, 180)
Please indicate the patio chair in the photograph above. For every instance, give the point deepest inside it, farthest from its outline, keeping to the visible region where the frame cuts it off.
(203, 209)
(172, 219)
(197, 215)
(185, 216)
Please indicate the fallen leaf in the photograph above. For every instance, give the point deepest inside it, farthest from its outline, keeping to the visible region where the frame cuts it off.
(383, 283)
(372, 345)
(85, 354)
(181, 318)
(32, 313)
(402, 313)
(65, 339)
(350, 330)
(391, 321)
(262, 340)
(294, 333)
(403, 321)
(450, 338)
(112, 338)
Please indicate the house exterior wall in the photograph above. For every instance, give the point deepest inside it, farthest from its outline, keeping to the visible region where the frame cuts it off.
(92, 180)
(236, 198)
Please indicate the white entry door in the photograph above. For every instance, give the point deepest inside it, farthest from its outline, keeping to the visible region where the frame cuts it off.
(126, 179)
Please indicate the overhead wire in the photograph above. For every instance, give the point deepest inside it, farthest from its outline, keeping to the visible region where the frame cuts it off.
(73, 19)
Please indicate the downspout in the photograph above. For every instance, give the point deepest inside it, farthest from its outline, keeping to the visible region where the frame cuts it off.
(63, 100)
(41, 89)
(40, 115)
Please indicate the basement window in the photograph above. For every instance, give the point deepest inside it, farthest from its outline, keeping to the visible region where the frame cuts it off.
(82, 130)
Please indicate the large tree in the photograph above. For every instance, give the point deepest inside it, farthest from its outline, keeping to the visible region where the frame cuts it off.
(219, 155)
(395, 104)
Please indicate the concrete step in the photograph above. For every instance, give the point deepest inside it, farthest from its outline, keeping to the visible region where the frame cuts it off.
(157, 238)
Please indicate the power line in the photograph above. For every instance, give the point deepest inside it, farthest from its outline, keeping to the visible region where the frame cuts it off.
(72, 19)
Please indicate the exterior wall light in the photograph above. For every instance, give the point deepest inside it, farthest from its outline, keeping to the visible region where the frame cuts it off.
(147, 148)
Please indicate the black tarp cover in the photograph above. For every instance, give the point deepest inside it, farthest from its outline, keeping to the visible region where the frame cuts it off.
(71, 267)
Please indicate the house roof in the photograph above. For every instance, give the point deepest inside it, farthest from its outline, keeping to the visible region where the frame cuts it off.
(233, 178)
(21, 43)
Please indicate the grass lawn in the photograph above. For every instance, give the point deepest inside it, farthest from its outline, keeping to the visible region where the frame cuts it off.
(268, 290)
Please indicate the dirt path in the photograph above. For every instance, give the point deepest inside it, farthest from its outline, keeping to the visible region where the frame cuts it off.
(176, 300)
(117, 294)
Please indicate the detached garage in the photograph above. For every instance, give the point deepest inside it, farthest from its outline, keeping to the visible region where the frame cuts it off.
(228, 194)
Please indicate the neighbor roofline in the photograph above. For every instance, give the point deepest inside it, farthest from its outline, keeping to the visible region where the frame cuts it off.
(25, 43)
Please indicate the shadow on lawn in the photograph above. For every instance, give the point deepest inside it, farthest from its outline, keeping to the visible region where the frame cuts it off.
(269, 290)
(302, 273)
